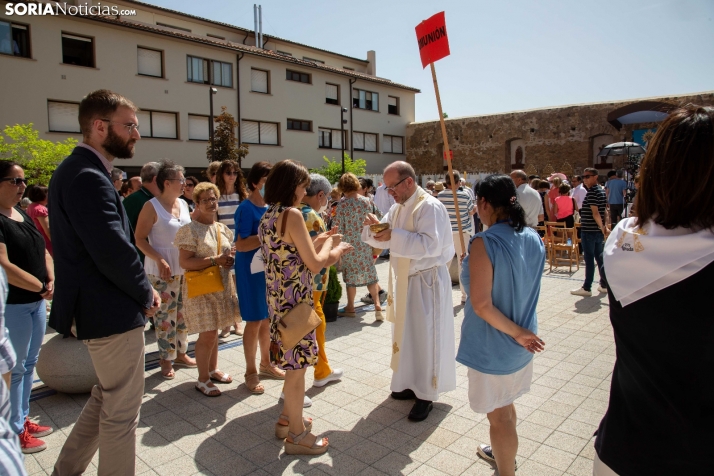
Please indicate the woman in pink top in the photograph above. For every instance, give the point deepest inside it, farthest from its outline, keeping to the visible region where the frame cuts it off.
(39, 214)
(552, 195)
(564, 206)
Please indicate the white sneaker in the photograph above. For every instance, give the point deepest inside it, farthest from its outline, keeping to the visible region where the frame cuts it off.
(306, 403)
(335, 375)
(600, 289)
(581, 292)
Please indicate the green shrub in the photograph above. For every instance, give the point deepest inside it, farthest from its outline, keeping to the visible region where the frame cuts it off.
(334, 288)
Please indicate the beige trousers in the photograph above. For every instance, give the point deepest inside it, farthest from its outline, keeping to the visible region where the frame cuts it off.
(109, 419)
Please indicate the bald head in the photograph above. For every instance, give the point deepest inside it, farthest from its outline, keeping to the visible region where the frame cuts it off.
(400, 179)
(403, 169)
(519, 177)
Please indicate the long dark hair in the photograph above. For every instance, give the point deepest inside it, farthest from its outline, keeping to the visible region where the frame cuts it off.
(677, 171)
(500, 192)
(6, 166)
(239, 187)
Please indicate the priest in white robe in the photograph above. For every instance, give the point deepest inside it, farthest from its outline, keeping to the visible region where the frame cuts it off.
(419, 302)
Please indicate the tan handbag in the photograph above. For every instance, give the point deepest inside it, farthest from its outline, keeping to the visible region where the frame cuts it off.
(296, 324)
(300, 320)
(205, 281)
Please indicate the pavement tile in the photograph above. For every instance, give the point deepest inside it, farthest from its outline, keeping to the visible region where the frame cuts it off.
(449, 462)
(563, 441)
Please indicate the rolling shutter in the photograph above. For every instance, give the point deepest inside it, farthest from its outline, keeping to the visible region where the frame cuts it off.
(398, 145)
(268, 133)
(358, 140)
(198, 128)
(331, 91)
(370, 142)
(250, 132)
(258, 81)
(163, 124)
(149, 62)
(144, 118)
(63, 117)
(386, 143)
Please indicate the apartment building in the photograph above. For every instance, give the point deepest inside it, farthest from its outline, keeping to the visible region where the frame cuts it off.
(287, 97)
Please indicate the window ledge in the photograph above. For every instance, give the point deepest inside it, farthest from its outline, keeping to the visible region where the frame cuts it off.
(330, 104)
(61, 132)
(5, 55)
(394, 153)
(262, 94)
(79, 66)
(266, 145)
(160, 138)
(366, 110)
(299, 82)
(150, 76)
(398, 115)
(207, 141)
(209, 85)
(297, 130)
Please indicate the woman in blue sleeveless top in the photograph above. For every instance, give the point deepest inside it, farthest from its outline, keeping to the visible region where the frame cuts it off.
(502, 273)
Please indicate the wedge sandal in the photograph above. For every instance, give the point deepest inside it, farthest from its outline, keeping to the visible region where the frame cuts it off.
(281, 431)
(272, 372)
(253, 383)
(295, 448)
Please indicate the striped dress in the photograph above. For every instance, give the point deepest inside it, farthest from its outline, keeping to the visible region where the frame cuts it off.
(227, 205)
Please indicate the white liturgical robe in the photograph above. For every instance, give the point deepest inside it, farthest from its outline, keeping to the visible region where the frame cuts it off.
(427, 362)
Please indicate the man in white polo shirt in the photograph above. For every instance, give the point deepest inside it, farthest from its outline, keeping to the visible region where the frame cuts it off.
(528, 198)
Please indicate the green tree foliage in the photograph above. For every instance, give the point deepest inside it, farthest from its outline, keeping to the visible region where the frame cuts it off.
(38, 157)
(446, 116)
(334, 288)
(226, 145)
(332, 170)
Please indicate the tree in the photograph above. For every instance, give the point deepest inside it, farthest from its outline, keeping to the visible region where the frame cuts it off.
(224, 140)
(446, 116)
(332, 170)
(38, 157)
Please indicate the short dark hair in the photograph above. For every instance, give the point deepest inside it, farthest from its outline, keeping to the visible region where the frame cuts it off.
(564, 188)
(678, 170)
(257, 172)
(578, 178)
(6, 166)
(192, 179)
(239, 186)
(500, 192)
(100, 104)
(543, 184)
(37, 193)
(591, 170)
(611, 173)
(447, 179)
(283, 180)
(167, 170)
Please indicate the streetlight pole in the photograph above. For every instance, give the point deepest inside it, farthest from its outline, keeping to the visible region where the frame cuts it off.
(343, 121)
(211, 92)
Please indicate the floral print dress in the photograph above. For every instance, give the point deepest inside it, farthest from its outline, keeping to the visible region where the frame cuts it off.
(358, 265)
(288, 283)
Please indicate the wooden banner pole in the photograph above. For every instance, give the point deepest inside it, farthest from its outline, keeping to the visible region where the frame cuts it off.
(448, 162)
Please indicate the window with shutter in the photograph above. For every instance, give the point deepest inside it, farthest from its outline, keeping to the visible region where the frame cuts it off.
(375, 101)
(398, 145)
(268, 133)
(370, 142)
(296, 76)
(144, 118)
(358, 141)
(198, 128)
(387, 144)
(259, 81)
(227, 75)
(150, 62)
(336, 139)
(365, 100)
(393, 105)
(250, 132)
(163, 125)
(77, 50)
(332, 94)
(63, 117)
(324, 138)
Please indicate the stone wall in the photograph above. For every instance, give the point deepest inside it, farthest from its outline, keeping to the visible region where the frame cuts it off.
(564, 139)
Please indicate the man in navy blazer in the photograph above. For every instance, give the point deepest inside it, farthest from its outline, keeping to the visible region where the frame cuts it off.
(101, 288)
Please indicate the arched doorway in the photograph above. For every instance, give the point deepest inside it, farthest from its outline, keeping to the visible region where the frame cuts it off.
(596, 144)
(515, 154)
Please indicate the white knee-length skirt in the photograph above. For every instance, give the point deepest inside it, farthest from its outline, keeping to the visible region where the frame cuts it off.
(488, 392)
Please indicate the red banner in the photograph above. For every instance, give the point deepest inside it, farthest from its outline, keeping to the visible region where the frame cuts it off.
(433, 42)
(451, 155)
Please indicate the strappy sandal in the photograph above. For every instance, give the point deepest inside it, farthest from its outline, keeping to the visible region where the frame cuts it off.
(295, 448)
(221, 377)
(168, 372)
(269, 371)
(253, 383)
(206, 390)
(281, 431)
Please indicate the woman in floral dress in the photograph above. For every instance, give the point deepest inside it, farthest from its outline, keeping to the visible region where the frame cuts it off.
(358, 267)
(291, 259)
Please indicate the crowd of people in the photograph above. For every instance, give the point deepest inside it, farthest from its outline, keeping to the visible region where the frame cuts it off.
(197, 257)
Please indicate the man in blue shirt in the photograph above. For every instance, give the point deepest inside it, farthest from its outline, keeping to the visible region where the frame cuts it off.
(615, 189)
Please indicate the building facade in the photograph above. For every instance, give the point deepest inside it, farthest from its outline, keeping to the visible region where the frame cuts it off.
(541, 141)
(287, 97)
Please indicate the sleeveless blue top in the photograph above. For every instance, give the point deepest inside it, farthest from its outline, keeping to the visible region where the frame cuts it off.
(518, 260)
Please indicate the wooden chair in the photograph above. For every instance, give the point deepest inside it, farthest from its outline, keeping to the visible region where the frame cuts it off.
(563, 247)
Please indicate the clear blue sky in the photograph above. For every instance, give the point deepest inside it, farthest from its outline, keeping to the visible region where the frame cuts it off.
(505, 55)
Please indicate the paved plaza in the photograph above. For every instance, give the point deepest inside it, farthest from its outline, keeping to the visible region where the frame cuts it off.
(182, 432)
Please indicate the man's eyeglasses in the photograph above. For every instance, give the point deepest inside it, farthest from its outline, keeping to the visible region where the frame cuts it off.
(395, 185)
(131, 127)
(16, 181)
(207, 201)
(588, 176)
(181, 181)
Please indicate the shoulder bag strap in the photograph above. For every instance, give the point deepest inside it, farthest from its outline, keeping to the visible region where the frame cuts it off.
(284, 221)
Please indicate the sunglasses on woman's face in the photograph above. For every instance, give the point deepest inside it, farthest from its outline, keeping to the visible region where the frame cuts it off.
(16, 181)
(230, 173)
